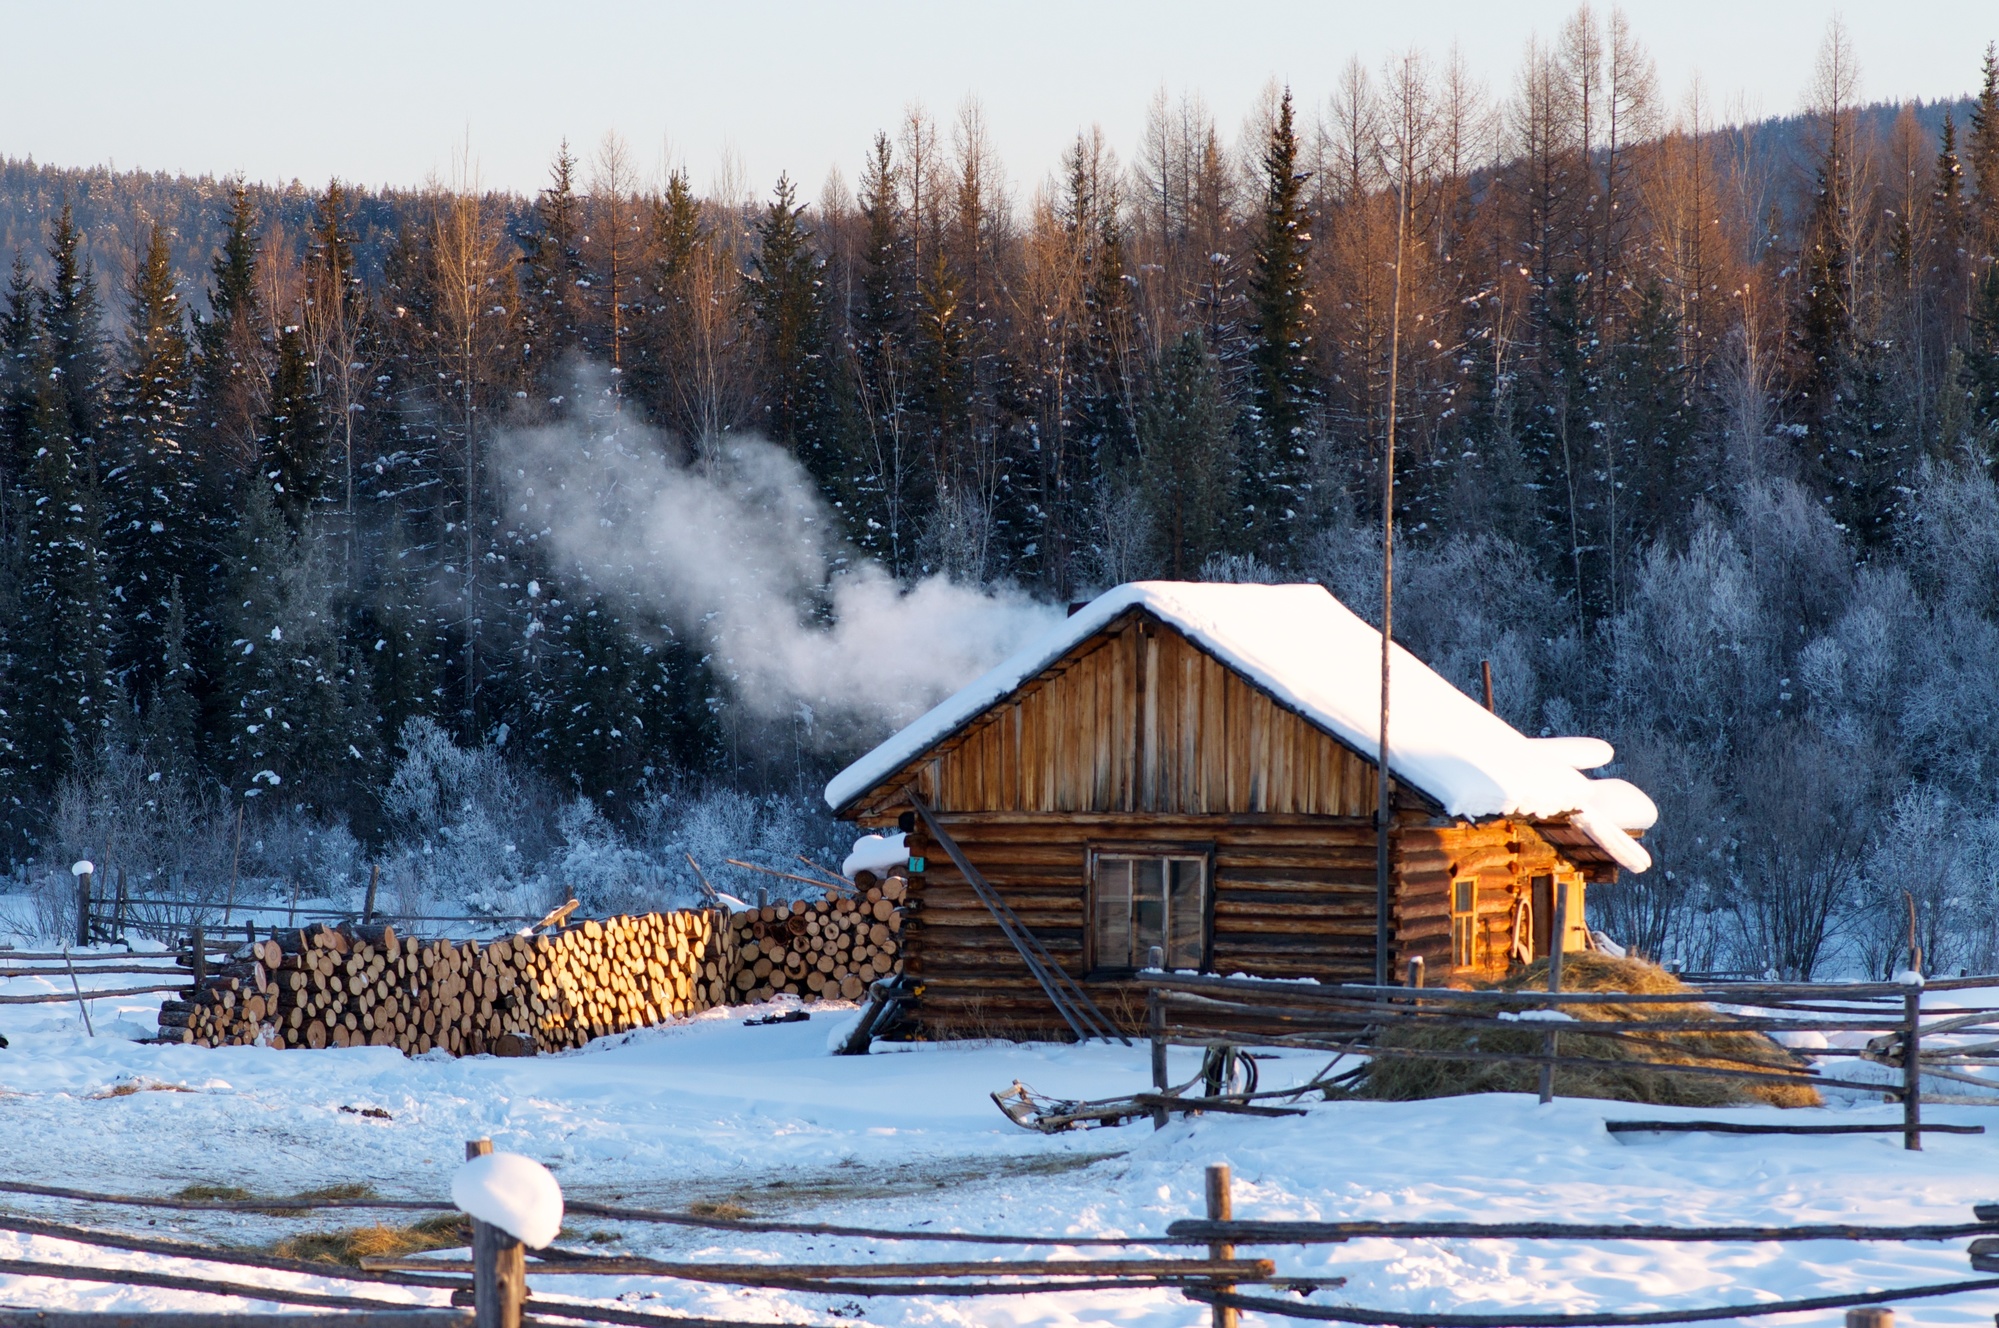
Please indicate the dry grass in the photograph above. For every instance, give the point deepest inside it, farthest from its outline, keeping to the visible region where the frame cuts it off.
(721, 1208)
(211, 1192)
(447, 1231)
(1645, 1075)
(131, 1086)
(282, 1205)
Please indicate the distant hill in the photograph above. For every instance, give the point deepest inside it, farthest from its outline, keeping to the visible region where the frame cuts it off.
(114, 208)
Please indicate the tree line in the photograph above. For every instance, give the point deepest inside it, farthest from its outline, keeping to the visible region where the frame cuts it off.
(253, 529)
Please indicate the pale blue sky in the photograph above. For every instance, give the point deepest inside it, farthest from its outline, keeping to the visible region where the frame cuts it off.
(383, 92)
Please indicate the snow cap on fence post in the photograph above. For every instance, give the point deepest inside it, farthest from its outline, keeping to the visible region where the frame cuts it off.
(516, 1194)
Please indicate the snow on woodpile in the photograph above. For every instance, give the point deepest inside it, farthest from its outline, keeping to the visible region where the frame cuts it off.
(1320, 659)
(876, 853)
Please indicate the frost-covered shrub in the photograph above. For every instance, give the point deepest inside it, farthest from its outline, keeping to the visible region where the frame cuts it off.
(468, 829)
(720, 823)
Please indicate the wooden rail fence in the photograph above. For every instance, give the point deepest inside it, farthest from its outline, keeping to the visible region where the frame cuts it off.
(1941, 1047)
(490, 1290)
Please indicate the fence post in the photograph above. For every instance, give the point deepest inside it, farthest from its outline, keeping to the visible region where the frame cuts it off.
(1416, 972)
(1912, 1070)
(499, 1266)
(198, 961)
(1558, 935)
(1155, 1023)
(1221, 1208)
(118, 918)
(374, 879)
(82, 904)
(1870, 1316)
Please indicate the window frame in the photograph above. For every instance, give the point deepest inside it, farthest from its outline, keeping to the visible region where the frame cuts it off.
(1201, 851)
(1464, 925)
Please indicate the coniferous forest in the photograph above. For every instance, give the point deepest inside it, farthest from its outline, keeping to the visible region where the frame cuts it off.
(523, 545)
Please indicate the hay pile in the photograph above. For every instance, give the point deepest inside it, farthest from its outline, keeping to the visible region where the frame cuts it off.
(1402, 1079)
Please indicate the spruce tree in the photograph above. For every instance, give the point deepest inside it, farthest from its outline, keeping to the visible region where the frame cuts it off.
(551, 268)
(1656, 472)
(886, 482)
(71, 328)
(1282, 387)
(63, 626)
(787, 296)
(1106, 378)
(1978, 369)
(295, 459)
(1823, 336)
(152, 487)
(1186, 465)
(660, 315)
(173, 711)
(20, 339)
(1982, 155)
(229, 342)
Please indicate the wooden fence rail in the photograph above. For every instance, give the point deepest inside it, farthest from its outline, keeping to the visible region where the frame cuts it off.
(497, 1293)
(1186, 1009)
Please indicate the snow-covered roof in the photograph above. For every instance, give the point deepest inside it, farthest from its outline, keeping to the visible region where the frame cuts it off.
(1318, 658)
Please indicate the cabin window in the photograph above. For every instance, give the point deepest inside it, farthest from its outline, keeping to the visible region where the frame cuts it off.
(1142, 900)
(1464, 916)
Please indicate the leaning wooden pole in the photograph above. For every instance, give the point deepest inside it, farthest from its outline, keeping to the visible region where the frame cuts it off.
(1382, 962)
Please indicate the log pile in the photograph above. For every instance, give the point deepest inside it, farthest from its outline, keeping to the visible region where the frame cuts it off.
(368, 986)
(832, 950)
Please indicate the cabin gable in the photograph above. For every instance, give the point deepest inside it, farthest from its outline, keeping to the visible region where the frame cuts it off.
(1136, 718)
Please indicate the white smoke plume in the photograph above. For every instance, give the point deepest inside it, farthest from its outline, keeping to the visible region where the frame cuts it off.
(738, 549)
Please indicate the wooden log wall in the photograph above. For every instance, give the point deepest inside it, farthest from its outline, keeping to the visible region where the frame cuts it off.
(519, 995)
(1293, 896)
(1503, 857)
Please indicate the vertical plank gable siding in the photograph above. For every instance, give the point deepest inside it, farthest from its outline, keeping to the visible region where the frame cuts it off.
(1139, 719)
(1139, 736)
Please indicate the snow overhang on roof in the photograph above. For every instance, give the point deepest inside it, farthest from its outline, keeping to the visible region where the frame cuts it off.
(1318, 658)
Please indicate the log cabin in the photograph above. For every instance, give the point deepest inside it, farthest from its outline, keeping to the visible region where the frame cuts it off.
(1186, 773)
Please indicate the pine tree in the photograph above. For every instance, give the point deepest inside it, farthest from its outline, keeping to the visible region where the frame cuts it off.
(787, 296)
(1186, 470)
(152, 487)
(1282, 387)
(294, 436)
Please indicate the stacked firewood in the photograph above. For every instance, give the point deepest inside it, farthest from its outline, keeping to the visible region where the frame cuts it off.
(831, 950)
(367, 986)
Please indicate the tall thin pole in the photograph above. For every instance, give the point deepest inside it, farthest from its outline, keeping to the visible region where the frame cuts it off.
(1382, 781)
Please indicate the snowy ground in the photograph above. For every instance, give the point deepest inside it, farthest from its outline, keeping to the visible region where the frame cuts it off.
(709, 1109)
